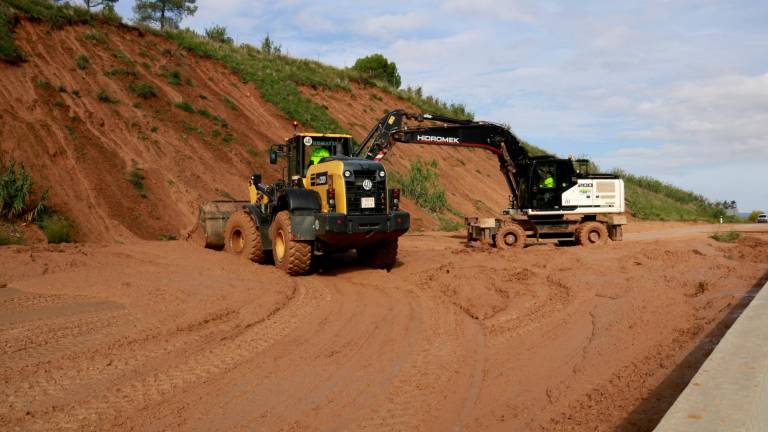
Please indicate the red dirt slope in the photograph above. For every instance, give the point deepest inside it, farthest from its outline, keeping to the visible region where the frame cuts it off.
(84, 148)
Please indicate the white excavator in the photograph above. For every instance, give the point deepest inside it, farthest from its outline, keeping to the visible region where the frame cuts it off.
(550, 198)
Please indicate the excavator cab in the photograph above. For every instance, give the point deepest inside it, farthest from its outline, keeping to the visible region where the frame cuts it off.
(549, 178)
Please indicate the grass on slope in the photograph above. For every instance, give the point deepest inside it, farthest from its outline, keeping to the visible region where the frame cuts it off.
(274, 75)
(649, 198)
(278, 76)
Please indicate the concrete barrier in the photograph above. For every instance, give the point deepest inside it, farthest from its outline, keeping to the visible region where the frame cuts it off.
(730, 390)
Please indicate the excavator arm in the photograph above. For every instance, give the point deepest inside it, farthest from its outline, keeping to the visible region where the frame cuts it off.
(446, 131)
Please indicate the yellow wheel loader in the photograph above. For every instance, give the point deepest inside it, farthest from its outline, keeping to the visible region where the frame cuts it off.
(327, 201)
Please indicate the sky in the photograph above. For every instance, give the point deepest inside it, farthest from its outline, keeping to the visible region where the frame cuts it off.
(677, 90)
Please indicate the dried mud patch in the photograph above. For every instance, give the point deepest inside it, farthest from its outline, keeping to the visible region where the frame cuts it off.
(751, 249)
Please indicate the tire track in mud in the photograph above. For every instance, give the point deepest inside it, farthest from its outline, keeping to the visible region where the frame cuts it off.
(513, 323)
(434, 366)
(147, 388)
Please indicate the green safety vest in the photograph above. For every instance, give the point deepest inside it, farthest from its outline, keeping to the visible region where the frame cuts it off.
(548, 182)
(318, 154)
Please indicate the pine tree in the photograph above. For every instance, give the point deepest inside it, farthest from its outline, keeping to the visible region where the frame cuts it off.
(166, 14)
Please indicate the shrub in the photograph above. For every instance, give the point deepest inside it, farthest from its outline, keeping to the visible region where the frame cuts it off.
(136, 178)
(110, 15)
(9, 52)
(167, 237)
(185, 106)
(143, 90)
(7, 239)
(726, 237)
(448, 224)
(103, 96)
(422, 184)
(57, 229)
(377, 67)
(230, 103)
(123, 57)
(753, 216)
(43, 85)
(205, 113)
(173, 77)
(16, 188)
(121, 72)
(55, 15)
(218, 34)
(96, 37)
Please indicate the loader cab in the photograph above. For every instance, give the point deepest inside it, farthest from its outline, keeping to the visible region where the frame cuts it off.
(545, 181)
(300, 148)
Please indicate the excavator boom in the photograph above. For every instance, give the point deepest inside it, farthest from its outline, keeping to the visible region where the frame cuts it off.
(447, 131)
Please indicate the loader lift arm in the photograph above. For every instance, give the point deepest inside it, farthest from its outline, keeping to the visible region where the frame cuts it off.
(453, 133)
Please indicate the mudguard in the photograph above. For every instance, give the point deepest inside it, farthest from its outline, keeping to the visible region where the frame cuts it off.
(304, 205)
(262, 221)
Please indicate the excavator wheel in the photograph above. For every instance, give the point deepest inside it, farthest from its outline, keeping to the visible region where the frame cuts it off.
(293, 256)
(510, 236)
(382, 257)
(242, 237)
(591, 233)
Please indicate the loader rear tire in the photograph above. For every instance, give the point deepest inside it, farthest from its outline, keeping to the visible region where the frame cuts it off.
(382, 257)
(511, 236)
(292, 256)
(591, 233)
(242, 237)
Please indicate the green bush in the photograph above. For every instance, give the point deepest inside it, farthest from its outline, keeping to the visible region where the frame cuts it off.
(9, 52)
(96, 37)
(726, 237)
(448, 224)
(143, 90)
(57, 229)
(422, 184)
(377, 67)
(6, 239)
(16, 189)
(121, 72)
(110, 15)
(104, 97)
(205, 113)
(55, 15)
(230, 103)
(136, 178)
(173, 77)
(218, 34)
(185, 106)
(753, 216)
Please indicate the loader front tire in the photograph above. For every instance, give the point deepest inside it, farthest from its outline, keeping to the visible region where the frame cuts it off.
(292, 256)
(243, 238)
(510, 236)
(591, 233)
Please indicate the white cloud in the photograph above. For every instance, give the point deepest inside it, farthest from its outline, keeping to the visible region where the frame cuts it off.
(392, 27)
(497, 9)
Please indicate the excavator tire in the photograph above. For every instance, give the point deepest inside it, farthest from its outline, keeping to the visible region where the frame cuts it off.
(293, 256)
(591, 233)
(242, 237)
(382, 257)
(510, 236)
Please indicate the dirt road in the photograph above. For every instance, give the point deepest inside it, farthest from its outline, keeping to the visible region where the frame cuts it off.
(167, 336)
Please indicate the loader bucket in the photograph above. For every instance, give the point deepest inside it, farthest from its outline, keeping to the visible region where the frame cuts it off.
(213, 219)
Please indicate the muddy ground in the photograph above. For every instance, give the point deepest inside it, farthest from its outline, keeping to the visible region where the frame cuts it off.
(168, 336)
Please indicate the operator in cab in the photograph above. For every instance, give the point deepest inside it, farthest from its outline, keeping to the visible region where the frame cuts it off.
(318, 154)
(548, 182)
